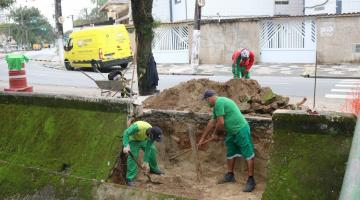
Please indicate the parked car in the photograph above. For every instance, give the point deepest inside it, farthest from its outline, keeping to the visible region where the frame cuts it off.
(102, 47)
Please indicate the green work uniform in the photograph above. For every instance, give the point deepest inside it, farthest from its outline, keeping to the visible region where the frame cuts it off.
(239, 71)
(136, 137)
(238, 138)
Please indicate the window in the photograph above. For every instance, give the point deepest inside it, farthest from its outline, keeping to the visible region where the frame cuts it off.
(319, 8)
(356, 48)
(177, 1)
(281, 2)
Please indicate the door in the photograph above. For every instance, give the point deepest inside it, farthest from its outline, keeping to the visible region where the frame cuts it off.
(288, 41)
(171, 44)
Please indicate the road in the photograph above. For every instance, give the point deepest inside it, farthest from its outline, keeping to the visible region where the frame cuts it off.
(331, 94)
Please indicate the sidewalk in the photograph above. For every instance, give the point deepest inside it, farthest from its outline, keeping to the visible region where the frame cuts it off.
(289, 70)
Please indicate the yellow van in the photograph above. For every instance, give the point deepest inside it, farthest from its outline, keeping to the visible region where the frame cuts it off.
(36, 47)
(100, 47)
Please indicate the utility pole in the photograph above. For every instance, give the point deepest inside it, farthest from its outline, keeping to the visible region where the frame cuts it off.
(59, 28)
(196, 34)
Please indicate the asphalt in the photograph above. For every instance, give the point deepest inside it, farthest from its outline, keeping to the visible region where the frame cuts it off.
(49, 58)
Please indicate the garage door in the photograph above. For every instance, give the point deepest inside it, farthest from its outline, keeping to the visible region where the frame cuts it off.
(171, 44)
(288, 41)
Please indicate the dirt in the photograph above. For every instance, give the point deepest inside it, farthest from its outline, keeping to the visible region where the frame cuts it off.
(181, 179)
(248, 94)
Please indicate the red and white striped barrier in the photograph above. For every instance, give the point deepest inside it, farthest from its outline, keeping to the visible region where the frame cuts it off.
(18, 82)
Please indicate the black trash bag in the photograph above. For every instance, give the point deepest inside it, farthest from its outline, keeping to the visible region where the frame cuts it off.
(153, 77)
(114, 75)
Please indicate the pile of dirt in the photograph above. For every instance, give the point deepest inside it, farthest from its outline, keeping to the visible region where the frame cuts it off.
(248, 95)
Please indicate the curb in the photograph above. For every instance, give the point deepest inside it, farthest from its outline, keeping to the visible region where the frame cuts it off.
(187, 74)
(330, 77)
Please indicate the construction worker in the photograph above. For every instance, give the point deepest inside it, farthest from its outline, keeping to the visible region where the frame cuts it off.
(141, 135)
(243, 60)
(227, 117)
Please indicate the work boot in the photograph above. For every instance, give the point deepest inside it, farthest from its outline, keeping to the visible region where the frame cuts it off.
(250, 184)
(228, 177)
(157, 172)
(130, 183)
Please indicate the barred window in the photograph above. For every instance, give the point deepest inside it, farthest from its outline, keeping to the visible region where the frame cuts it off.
(279, 2)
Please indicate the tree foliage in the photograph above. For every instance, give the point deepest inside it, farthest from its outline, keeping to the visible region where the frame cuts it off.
(6, 3)
(30, 26)
(86, 17)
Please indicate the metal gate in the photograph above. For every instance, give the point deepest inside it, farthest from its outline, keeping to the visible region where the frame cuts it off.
(171, 44)
(288, 41)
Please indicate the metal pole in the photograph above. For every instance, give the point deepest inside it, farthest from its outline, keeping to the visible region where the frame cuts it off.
(314, 103)
(59, 27)
(196, 36)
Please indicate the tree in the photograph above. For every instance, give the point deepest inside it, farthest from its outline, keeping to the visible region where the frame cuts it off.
(144, 23)
(30, 26)
(6, 3)
(93, 16)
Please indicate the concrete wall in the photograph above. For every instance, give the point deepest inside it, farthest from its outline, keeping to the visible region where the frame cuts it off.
(335, 40)
(295, 7)
(219, 40)
(309, 155)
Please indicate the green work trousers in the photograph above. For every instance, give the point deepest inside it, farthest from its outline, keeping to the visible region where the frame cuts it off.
(239, 72)
(132, 167)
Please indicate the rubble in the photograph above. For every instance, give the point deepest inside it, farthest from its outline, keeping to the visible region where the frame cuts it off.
(247, 93)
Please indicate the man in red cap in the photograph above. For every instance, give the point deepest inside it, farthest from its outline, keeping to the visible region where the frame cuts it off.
(243, 60)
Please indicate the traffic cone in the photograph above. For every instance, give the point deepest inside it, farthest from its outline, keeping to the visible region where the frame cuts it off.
(17, 74)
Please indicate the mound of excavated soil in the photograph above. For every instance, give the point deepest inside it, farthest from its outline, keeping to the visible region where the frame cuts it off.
(248, 94)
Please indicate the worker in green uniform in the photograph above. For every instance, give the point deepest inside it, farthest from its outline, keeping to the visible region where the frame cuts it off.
(227, 116)
(141, 135)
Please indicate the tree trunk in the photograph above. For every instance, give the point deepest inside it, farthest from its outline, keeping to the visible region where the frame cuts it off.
(143, 22)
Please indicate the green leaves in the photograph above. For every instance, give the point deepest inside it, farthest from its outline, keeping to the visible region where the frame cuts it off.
(30, 26)
(6, 3)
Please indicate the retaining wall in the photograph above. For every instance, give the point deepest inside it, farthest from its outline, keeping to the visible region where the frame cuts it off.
(61, 147)
(309, 154)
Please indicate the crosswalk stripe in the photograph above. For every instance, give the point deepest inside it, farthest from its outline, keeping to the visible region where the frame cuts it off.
(349, 81)
(342, 90)
(343, 85)
(338, 96)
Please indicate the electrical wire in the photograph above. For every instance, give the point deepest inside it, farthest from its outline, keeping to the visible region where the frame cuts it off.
(325, 2)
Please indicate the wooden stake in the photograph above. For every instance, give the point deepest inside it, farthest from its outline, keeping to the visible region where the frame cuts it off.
(187, 150)
(195, 153)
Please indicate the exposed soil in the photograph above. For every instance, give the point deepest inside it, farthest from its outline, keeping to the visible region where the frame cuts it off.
(248, 94)
(180, 177)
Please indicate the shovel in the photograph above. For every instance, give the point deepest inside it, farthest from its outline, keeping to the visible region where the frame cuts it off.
(145, 173)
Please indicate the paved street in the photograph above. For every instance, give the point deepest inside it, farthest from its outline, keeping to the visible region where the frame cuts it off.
(331, 94)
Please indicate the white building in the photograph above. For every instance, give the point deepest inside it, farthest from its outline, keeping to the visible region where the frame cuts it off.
(289, 7)
(314, 7)
(180, 10)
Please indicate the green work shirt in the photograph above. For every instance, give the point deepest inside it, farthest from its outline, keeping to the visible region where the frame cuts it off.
(233, 119)
(136, 132)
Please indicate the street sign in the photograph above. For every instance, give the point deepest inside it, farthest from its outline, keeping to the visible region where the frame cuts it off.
(201, 3)
(61, 19)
